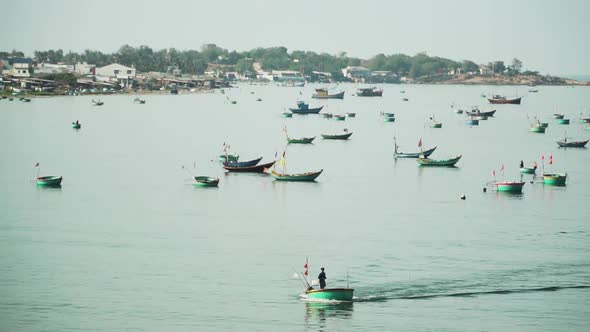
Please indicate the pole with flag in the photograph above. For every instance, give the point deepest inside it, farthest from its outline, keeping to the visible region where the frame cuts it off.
(283, 163)
(543, 163)
(420, 145)
(502, 170)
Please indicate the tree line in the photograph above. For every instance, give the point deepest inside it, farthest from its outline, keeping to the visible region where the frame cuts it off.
(146, 59)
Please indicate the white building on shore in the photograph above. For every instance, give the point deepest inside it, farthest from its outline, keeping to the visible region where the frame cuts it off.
(122, 74)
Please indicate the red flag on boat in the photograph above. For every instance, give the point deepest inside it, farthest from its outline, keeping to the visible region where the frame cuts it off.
(420, 142)
(494, 173)
(542, 157)
(306, 267)
(551, 159)
(502, 168)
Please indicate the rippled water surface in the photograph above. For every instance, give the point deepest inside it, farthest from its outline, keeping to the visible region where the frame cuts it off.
(127, 243)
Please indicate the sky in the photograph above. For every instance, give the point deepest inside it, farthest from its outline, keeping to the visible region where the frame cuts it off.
(548, 36)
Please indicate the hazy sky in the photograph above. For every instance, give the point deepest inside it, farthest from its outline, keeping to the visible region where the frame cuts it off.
(549, 36)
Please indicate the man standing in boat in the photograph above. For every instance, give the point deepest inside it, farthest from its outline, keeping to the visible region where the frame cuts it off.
(322, 278)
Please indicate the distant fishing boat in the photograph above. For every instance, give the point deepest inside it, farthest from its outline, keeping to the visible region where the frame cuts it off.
(388, 119)
(351, 115)
(477, 112)
(248, 163)
(287, 115)
(249, 169)
(139, 100)
(323, 94)
(303, 108)
(327, 115)
(537, 128)
(425, 153)
(343, 136)
(558, 115)
(533, 90)
(423, 161)
(206, 181)
(405, 99)
(339, 117)
(76, 125)
(498, 99)
(49, 181)
(435, 124)
(572, 144)
(563, 121)
(307, 176)
(302, 140)
(509, 186)
(554, 179)
(97, 102)
(369, 92)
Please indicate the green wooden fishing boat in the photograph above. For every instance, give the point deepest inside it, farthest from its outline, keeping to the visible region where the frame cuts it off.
(287, 115)
(302, 140)
(554, 179)
(339, 117)
(509, 186)
(308, 176)
(337, 136)
(49, 181)
(76, 125)
(528, 170)
(351, 115)
(537, 129)
(563, 121)
(330, 294)
(436, 125)
(206, 181)
(544, 124)
(441, 163)
(228, 157)
(388, 119)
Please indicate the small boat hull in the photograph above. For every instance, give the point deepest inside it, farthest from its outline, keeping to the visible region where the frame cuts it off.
(554, 179)
(436, 125)
(480, 113)
(49, 181)
(563, 121)
(528, 170)
(306, 110)
(511, 187)
(558, 116)
(206, 181)
(302, 140)
(339, 117)
(339, 95)
(505, 101)
(287, 115)
(472, 122)
(76, 125)
(351, 115)
(337, 136)
(440, 163)
(424, 153)
(243, 163)
(572, 144)
(537, 129)
(388, 119)
(250, 169)
(303, 177)
(331, 294)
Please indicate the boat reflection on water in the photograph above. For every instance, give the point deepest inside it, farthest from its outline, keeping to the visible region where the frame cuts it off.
(318, 314)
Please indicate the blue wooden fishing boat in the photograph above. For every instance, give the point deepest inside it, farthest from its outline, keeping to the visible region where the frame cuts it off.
(303, 108)
(248, 163)
(250, 169)
(425, 153)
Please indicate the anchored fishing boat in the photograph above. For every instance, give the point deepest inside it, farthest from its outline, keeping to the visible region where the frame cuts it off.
(248, 163)
(572, 144)
(301, 140)
(303, 108)
(206, 181)
(423, 161)
(323, 94)
(343, 136)
(249, 169)
(558, 115)
(97, 102)
(49, 181)
(554, 179)
(498, 99)
(563, 121)
(323, 293)
(477, 112)
(139, 100)
(369, 92)
(509, 186)
(307, 176)
(76, 125)
(398, 154)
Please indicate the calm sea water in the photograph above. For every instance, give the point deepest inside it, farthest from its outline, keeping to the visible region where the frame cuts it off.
(129, 244)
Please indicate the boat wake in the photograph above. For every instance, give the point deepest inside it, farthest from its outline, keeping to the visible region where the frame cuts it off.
(418, 293)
